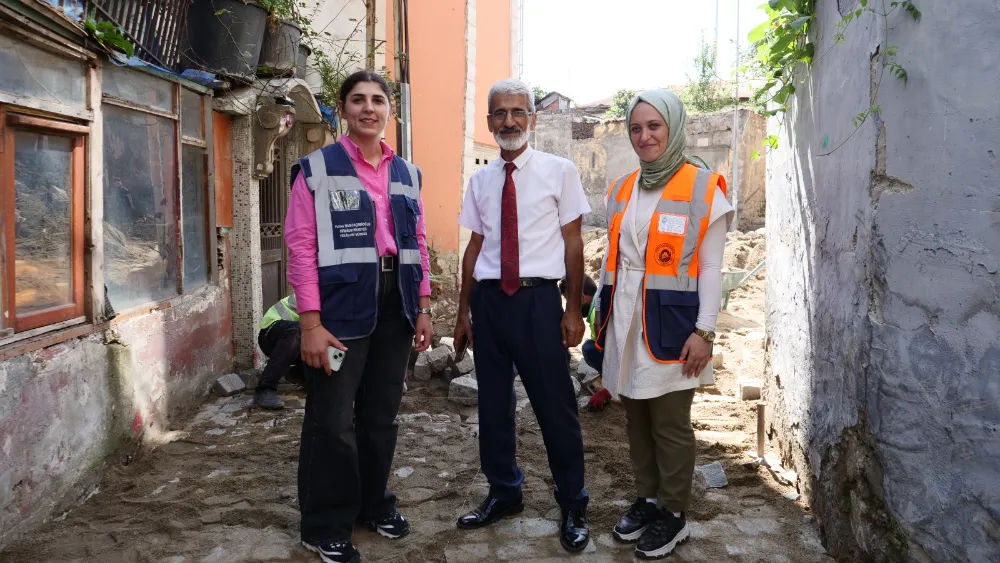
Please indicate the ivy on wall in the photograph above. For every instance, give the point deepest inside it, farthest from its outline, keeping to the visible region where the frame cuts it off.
(784, 48)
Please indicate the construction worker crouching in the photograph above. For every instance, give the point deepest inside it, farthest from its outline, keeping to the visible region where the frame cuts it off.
(279, 339)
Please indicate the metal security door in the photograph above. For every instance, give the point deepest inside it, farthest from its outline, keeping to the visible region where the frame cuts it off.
(273, 206)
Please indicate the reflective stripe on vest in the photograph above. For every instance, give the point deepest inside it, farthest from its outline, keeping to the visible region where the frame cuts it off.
(284, 310)
(345, 227)
(670, 284)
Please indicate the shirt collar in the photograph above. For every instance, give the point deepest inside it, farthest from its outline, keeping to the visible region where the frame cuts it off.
(354, 151)
(522, 159)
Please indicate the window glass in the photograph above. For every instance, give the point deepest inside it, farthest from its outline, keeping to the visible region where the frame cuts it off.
(26, 70)
(137, 87)
(192, 118)
(140, 207)
(195, 208)
(43, 195)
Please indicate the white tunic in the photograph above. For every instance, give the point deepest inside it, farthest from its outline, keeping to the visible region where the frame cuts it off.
(628, 368)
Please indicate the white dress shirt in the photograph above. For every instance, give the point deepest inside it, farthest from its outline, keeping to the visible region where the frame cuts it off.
(549, 196)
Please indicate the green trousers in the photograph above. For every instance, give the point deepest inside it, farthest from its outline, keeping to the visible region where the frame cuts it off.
(662, 446)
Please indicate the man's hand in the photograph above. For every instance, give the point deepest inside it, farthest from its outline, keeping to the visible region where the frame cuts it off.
(696, 353)
(315, 342)
(572, 328)
(463, 327)
(424, 333)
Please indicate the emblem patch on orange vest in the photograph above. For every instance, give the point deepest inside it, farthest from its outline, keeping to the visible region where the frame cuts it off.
(665, 254)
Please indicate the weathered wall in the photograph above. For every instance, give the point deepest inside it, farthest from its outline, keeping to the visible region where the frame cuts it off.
(602, 152)
(882, 307)
(66, 408)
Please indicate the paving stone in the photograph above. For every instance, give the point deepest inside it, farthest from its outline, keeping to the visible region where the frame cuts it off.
(229, 384)
(466, 366)
(718, 360)
(464, 390)
(422, 369)
(439, 358)
(468, 553)
(749, 389)
(447, 342)
(715, 475)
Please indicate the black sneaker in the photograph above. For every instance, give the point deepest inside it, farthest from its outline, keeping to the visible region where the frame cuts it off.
(662, 536)
(334, 552)
(267, 399)
(631, 526)
(391, 525)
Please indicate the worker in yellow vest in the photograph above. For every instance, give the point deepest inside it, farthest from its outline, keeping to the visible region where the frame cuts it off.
(661, 288)
(279, 339)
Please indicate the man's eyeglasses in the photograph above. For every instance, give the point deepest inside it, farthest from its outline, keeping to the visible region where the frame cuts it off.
(501, 114)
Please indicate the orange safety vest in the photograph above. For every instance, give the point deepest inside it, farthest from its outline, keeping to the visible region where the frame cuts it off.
(670, 284)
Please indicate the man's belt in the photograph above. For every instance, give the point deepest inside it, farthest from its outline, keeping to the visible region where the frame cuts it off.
(524, 282)
(387, 263)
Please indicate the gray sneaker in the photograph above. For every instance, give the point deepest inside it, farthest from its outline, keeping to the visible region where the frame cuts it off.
(267, 399)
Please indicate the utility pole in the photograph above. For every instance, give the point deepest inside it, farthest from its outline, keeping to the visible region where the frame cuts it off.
(370, 34)
(735, 180)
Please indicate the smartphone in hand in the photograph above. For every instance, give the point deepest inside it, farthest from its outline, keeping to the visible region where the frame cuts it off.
(336, 357)
(460, 347)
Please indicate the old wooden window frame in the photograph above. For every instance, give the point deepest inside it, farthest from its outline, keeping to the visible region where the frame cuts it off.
(12, 122)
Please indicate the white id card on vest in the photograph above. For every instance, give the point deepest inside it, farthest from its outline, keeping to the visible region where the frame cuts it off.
(672, 224)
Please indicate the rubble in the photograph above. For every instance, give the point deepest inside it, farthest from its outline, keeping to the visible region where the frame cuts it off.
(464, 391)
(229, 384)
(718, 360)
(714, 474)
(439, 358)
(748, 389)
(466, 366)
(422, 369)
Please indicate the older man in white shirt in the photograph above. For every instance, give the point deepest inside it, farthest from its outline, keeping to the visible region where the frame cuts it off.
(525, 212)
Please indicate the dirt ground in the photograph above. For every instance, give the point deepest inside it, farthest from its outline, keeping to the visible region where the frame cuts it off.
(224, 490)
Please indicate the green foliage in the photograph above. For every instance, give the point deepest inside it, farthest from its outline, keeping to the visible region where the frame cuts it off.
(539, 93)
(109, 36)
(706, 94)
(620, 103)
(783, 47)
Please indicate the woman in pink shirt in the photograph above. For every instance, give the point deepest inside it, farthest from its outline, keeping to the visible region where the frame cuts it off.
(359, 265)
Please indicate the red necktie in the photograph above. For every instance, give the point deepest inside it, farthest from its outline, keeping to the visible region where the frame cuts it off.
(510, 277)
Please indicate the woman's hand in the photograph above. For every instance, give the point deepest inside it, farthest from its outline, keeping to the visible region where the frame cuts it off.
(315, 342)
(424, 333)
(696, 353)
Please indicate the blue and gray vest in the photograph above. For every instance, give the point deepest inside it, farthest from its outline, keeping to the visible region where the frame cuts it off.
(345, 228)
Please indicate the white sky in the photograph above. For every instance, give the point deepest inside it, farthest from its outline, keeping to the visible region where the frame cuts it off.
(588, 49)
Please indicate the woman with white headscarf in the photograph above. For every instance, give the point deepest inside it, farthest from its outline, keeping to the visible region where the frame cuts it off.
(659, 300)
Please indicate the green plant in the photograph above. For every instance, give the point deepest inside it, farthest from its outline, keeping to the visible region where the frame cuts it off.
(619, 103)
(784, 48)
(539, 93)
(109, 36)
(705, 93)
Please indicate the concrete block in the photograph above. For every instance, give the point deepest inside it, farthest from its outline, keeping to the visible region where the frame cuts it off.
(439, 359)
(229, 384)
(466, 366)
(448, 342)
(714, 473)
(718, 360)
(464, 391)
(584, 372)
(250, 378)
(422, 368)
(749, 389)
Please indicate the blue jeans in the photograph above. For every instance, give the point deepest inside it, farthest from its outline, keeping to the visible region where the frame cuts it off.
(593, 356)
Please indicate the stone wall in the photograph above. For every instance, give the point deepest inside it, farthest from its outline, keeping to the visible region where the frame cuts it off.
(602, 152)
(882, 308)
(67, 409)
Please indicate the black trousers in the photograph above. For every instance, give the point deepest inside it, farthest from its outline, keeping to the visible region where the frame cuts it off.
(349, 431)
(523, 330)
(280, 342)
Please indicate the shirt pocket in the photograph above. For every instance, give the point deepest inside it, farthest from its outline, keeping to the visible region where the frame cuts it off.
(338, 291)
(678, 312)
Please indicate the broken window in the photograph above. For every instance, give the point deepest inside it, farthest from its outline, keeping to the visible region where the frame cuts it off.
(41, 190)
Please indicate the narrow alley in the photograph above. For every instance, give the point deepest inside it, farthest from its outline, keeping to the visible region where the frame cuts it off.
(223, 488)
